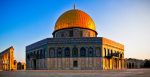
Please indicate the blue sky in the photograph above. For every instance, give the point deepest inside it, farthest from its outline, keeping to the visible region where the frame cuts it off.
(23, 22)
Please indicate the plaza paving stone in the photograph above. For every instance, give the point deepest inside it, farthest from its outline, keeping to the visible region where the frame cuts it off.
(77, 73)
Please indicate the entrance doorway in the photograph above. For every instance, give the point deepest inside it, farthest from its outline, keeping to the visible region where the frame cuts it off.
(75, 63)
(34, 62)
(115, 64)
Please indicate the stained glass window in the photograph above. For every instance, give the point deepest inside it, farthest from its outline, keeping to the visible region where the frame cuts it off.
(71, 33)
(62, 35)
(75, 52)
(44, 53)
(89, 34)
(97, 51)
(59, 52)
(82, 52)
(52, 52)
(41, 54)
(57, 35)
(90, 52)
(67, 52)
(80, 33)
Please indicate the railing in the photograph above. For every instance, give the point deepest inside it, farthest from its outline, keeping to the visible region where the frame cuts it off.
(114, 54)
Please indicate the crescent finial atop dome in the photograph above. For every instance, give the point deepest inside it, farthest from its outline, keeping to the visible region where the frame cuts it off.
(74, 5)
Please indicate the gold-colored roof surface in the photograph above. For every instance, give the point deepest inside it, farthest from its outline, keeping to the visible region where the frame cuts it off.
(74, 18)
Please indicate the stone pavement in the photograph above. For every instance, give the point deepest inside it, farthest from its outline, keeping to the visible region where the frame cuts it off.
(77, 73)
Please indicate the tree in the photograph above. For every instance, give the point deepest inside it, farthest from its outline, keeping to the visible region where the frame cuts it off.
(147, 64)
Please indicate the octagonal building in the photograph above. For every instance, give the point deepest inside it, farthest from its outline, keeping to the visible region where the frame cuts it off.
(75, 46)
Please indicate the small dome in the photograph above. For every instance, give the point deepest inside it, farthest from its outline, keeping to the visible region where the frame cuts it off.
(74, 18)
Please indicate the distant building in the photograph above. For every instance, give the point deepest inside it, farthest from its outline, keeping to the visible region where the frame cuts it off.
(19, 65)
(142, 62)
(133, 63)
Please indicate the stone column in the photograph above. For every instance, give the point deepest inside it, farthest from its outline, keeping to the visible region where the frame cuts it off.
(4, 64)
(7, 65)
(63, 59)
(131, 65)
(71, 60)
(86, 61)
(112, 63)
(134, 64)
(117, 63)
(122, 63)
(126, 63)
(30, 64)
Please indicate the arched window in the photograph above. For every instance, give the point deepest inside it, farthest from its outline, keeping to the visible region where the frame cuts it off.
(67, 52)
(98, 51)
(44, 53)
(52, 53)
(108, 53)
(28, 57)
(80, 33)
(59, 52)
(75, 52)
(83, 52)
(37, 54)
(41, 53)
(117, 53)
(90, 52)
(111, 53)
(71, 33)
(105, 51)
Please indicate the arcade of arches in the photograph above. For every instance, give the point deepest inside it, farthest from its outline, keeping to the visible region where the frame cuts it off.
(7, 59)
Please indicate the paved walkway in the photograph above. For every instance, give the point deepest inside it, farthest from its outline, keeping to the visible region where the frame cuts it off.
(77, 73)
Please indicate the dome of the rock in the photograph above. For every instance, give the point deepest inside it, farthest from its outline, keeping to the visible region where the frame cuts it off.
(74, 18)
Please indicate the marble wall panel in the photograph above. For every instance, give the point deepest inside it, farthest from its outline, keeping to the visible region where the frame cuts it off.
(98, 62)
(90, 62)
(59, 63)
(83, 61)
(67, 63)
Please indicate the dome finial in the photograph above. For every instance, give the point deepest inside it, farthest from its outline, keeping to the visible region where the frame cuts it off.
(74, 5)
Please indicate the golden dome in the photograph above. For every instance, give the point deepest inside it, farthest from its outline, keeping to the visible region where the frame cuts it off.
(74, 18)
